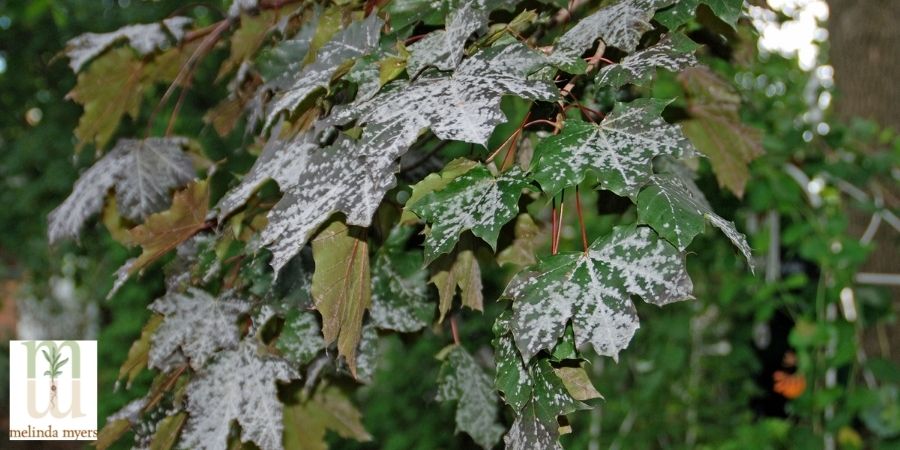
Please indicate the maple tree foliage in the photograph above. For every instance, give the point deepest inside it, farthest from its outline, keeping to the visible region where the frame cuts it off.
(280, 289)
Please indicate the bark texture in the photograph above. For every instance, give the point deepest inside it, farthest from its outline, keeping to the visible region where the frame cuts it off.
(864, 41)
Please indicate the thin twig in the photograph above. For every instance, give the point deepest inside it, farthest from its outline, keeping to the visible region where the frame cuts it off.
(584, 242)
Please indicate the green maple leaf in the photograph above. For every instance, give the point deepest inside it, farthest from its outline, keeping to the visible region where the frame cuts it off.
(594, 289)
(619, 150)
(477, 200)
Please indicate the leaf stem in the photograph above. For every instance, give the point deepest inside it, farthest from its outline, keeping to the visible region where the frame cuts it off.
(553, 226)
(559, 221)
(584, 242)
(453, 329)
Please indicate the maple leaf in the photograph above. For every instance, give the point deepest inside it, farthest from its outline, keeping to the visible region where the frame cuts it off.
(619, 25)
(476, 200)
(716, 128)
(337, 178)
(678, 213)
(528, 432)
(196, 323)
(463, 106)
(115, 85)
(163, 231)
(537, 382)
(434, 182)
(328, 408)
(524, 246)
(593, 289)
(341, 286)
(462, 380)
(353, 42)
(444, 49)
(684, 10)
(461, 270)
(247, 40)
(240, 385)
(281, 160)
(620, 149)
(399, 289)
(143, 38)
(673, 53)
(143, 173)
(301, 337)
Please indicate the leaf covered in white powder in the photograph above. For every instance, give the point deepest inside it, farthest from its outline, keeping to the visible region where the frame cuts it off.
(594, 290)
(143, 172)
(673, 53)
(464, 381)
(143, 38)
(620, 150)
(196, 323)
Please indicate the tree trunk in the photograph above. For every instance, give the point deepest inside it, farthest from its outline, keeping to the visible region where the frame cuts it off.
(864, 49)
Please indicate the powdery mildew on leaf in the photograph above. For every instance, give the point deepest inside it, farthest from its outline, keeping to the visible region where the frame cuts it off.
(301, 337)
(463, 106)
(620, 149)
(678, 214)
(512, 379)
(594, 291)
(463, 380)
(528, 432)
(239, 385)
(399, 286)
(477, 201)
(143, 38)
(550, 396)
(338, 178)
(240, 6)
(143, 173)
(619, 25)
(281, 160)
(673, 53)
(353, 42)
(196, 323)
(444, 48)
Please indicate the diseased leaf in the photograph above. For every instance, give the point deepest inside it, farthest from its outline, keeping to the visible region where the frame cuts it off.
(444, 49)
(528, 432)
(435, 182)
(476, 201)
(307, 421)
(522, 250)
(143, 38)
(353, 42)
(367, 354)
(338, 178)
(512, 378)
(461, 270)
(464, 381)
(143, 174)
(678, 214)
(399, 287)
(196, 323)
(163, 231)
(550, 397)
(716, 128)
(619, 150)
(594, 290)
(239, 385)
(341, 286)
(619, 25)
(301, 337)
(683, 10)
(463, 106)
(281, 160)
(577, 382)
(673, 53)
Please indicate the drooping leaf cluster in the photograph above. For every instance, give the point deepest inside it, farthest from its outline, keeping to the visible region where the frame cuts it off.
(389, 163)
